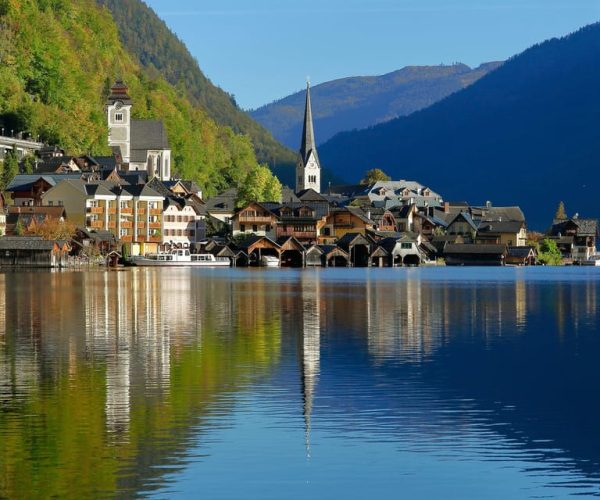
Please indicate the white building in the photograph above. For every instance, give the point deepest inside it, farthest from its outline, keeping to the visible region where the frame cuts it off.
(143, 144)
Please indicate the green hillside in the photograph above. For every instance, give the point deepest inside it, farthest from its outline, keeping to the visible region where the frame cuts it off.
(57, 61)
(157, 49)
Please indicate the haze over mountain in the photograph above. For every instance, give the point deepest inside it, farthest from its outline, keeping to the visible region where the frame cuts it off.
(528, 133)
(362, 101)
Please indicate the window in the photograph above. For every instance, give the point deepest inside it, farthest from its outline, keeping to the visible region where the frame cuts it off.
(254, 228)
(123, 204)
(119, 117)
(326, 231)
(50, 203)
(123, 232)
(242, 228)
(406, 246)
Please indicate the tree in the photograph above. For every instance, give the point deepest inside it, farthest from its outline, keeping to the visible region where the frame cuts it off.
(259, 185)
(19, 228)
(28, 164)
(548, 253)
(560, 212)
(54, 229)
(374, 175)
(10, 168)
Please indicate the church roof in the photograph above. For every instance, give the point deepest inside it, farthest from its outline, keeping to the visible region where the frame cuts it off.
(118, 92)
(308, 145)
(147, 135)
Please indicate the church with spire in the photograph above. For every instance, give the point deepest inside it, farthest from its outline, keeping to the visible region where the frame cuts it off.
(308, 168)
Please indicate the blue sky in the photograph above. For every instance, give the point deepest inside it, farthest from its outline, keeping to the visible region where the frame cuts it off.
(262, 50)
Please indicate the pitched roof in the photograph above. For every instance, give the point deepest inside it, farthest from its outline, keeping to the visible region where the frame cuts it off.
(351, 239)
(308, 144)
(500, 227)
(310, 195)
(466, 217)
(23, 182)
(148, 134)
(141, 190)
(27, 243)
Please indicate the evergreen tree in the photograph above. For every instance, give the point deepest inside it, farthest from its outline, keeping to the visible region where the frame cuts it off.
(28, 164)
(560, 212)
(10, 167)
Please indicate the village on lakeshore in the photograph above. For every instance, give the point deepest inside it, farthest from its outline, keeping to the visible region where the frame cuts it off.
(60, 210)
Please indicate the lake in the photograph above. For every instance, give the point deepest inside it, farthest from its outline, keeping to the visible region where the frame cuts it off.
(425, 383)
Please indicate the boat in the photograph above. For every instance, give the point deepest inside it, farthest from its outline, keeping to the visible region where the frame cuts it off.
(592, 261)
(181, 257)
(269, 261)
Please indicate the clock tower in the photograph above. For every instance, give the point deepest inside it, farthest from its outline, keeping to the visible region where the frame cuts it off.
(118, 112)
(308, 168)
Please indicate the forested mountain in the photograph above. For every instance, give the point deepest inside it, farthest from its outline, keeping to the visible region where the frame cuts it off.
(362, 101)
(58, 59)
(158, 50)
(527, 133)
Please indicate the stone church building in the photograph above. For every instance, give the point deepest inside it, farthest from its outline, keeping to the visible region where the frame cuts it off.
(308, 168)
(143, 144)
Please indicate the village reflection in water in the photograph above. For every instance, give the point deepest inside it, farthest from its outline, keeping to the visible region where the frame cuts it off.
(106, 378)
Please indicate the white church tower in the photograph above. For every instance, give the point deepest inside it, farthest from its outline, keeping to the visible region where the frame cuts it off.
(118, 111)
(308, 168)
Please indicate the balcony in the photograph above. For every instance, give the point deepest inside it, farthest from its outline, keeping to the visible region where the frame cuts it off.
(127, 211)
(96, 224)
(126, 224)
(141, 211)
(155, 211)
(154, 225)
(155, 239)
(141, 237)
(112, 224)
(141, 225)
(300, 235)
(127, 238)
(95, 210)
(112, 211)
(255, 220)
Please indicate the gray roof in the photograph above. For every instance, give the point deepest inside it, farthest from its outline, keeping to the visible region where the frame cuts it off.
(147, 135)
(500, 227)
(27, 243)
(141, 190)
(308, 144)
(474, 249)
(466, 217)
(25, 181)
(520, 251)
(224, 202)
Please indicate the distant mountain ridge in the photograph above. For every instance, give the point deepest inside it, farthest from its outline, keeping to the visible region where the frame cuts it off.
(527, 134)
(362, 101)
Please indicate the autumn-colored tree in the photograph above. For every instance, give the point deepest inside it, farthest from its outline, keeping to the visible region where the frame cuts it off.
(560, 212)
(374, 175)
(54, 229)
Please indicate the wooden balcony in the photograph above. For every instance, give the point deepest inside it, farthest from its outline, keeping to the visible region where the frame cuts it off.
(141, 211)
(155, 211)
(155, 239)
(95, 210)
(127, 238)
(300, 235)
(96, 224)
(126, 224)
(112, 224)
(255, 220)
(112, 211)
(127, 211)
(154, 225)
(141, 225)
(141, 237)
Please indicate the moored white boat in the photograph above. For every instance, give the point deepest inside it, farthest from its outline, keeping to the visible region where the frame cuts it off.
(593, 261)
(269, 261)
(181, 257)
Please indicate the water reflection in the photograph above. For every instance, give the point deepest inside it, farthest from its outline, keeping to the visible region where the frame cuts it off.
(108, 381)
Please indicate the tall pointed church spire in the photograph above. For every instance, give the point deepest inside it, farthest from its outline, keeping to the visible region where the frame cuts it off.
(308, 168)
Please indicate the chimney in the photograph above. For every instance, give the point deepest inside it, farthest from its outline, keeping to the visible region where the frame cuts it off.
(488, 204)
(446, 207)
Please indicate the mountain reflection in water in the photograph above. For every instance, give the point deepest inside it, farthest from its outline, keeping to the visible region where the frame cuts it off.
(438, 383)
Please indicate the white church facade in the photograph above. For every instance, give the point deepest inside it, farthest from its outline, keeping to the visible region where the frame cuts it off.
(142, 144)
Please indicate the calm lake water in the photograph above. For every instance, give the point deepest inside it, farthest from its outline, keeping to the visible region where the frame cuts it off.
(336, 383)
